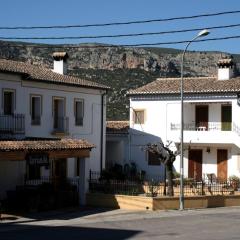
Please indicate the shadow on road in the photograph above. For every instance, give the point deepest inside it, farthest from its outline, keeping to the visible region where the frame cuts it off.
(62, 214)
(27, 232)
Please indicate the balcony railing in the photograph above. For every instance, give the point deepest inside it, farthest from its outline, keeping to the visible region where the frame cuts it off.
(13, 124)
(61, 125)
(210, 126)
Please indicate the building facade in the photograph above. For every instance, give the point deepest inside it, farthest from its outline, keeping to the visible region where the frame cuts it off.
(39, 104)
(211, 121)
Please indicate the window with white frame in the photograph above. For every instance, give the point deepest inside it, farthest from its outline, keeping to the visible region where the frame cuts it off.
(79, 111)
(138, 116)
(36, 109)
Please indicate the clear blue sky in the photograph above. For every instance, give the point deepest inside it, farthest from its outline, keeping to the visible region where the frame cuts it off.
(70, 12)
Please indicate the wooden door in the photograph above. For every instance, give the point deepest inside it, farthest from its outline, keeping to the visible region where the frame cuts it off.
(226, 117)
(202, 116)
(195, 164)
(222, 157)
(59, 171)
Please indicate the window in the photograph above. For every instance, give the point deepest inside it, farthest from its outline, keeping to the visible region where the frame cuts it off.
(36, 109)
(138, 116)
(8, 101)
(79, 111)
(153, 159)
(34, 172)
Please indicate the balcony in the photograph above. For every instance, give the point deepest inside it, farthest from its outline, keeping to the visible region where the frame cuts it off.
(211, 132)
(210, 126)
(60, 126)
(12, 124)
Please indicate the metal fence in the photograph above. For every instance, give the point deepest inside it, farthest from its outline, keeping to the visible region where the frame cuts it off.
(45, 193)
(154, 187)
(14, 123)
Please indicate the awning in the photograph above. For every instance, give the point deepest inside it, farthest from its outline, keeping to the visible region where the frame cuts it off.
(64, 148)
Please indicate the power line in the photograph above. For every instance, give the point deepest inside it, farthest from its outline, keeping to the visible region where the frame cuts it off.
(120, 23)
(115, 46)
(121, 35)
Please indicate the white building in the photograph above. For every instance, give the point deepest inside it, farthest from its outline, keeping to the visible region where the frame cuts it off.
(126, 146)
(39, 106)
(211, 121)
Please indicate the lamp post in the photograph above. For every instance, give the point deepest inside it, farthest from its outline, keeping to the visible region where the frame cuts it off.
(202, 33)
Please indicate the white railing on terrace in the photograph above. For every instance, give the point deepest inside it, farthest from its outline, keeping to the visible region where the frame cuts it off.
(236, 128)
(210, 126)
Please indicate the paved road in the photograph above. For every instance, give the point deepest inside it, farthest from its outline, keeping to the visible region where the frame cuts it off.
(209, 224)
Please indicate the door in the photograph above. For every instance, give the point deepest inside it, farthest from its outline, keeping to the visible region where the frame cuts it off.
(226, 117)
(59, 171)
(195, 164)
(8, 100)
(58, 114)
(222, 157)
(202, 116)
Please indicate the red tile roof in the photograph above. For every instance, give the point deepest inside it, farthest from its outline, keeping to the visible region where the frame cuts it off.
(63, 144)
(191, 85)
(117, 126)
(40, 73)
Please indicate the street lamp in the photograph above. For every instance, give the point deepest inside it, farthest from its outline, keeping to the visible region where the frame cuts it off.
(202, 33)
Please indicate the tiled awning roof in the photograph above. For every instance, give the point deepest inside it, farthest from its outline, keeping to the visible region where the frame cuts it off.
(117, 126)
(63, 144)
(191, 85)
(39, 73)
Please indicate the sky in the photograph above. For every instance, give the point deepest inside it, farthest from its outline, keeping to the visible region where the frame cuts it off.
(72, 12)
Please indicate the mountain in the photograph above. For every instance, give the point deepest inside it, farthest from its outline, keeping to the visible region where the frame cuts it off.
(120, 68)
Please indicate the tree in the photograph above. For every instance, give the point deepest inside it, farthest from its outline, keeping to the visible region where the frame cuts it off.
(167, 157)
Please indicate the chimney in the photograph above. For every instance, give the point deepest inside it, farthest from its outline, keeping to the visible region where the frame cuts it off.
(60, 62)
(225, 68)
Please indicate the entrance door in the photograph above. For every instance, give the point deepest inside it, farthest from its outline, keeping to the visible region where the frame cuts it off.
(59, 171)
(226, 117)
(202, 116)
(222, 157)
(195, 164)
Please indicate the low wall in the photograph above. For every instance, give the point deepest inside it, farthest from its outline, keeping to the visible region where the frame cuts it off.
(159, 203)
(119, 201)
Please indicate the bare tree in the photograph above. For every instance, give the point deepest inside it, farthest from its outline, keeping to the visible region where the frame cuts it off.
(167, 157)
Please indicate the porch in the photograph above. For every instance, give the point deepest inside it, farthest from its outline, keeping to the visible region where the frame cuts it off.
(38, 168)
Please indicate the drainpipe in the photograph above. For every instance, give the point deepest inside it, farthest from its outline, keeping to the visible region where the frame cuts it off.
(101, 141)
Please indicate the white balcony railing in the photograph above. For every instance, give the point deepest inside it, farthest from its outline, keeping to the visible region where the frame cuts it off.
(210, 126)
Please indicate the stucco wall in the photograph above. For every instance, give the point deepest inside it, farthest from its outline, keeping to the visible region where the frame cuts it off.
(91, 129)
(160, 113)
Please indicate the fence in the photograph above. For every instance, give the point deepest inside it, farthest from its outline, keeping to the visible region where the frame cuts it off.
(155, 187)
(45, 193)
(14, 123)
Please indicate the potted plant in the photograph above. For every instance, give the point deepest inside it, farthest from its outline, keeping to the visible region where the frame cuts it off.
(234, 181)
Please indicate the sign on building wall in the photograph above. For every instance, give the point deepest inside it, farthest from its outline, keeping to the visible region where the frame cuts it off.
(38, 159)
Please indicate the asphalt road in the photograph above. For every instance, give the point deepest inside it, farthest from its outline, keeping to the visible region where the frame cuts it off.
(207, 224)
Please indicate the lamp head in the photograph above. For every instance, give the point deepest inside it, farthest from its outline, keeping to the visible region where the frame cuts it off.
(203, 33)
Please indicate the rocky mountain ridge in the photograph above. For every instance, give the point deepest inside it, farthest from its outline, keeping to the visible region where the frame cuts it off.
(120, 68)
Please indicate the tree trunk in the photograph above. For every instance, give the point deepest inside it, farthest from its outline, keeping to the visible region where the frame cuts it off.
(169, 171)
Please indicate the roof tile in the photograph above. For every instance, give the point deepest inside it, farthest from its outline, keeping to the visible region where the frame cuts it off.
(44, 74)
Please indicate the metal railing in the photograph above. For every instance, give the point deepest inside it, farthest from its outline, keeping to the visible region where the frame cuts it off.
(61, 125)
(210, 126)
(55, 181)
(154, 188)
(12, 124)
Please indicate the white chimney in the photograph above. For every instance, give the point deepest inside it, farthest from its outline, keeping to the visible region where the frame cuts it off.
(225, 69)
(60, 62)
